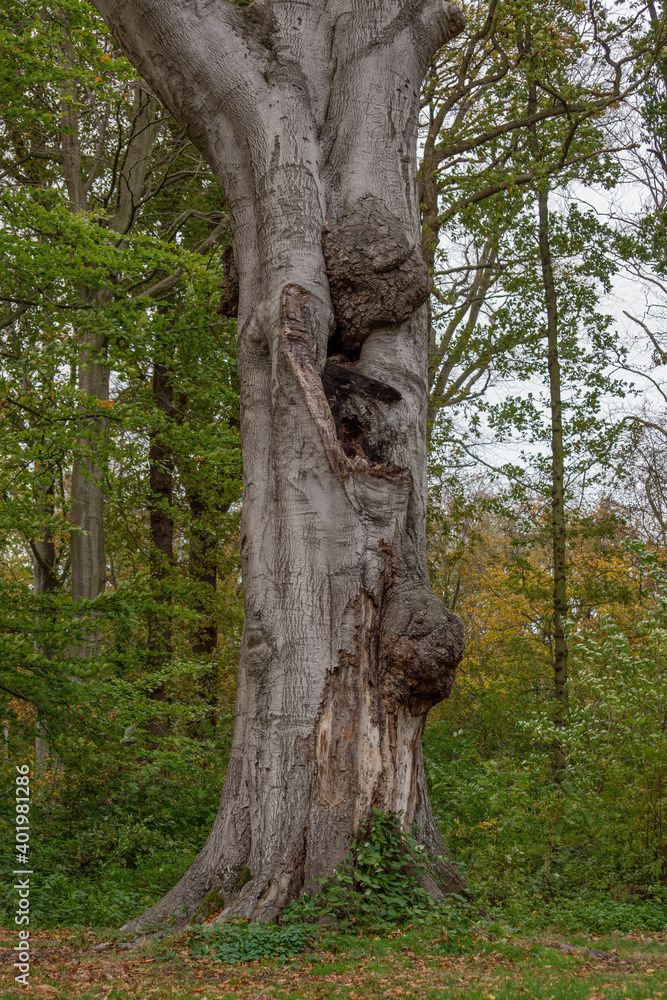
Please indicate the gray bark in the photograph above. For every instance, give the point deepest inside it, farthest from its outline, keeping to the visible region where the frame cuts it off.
(307, 112)
(87, 499)
(160, 498)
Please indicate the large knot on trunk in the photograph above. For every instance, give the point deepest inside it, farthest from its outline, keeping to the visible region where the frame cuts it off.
(377, 275)
(422, 642)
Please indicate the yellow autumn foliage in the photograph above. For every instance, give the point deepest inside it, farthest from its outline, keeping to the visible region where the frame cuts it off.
(498, 579)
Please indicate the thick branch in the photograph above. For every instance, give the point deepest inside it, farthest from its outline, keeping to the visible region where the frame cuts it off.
(200, 58)
(13, 316)
(434, 23)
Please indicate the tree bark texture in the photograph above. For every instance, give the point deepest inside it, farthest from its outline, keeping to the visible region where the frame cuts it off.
(87, 540)
(203, 570)
(44, 569)
(558, 530)
(307, 112)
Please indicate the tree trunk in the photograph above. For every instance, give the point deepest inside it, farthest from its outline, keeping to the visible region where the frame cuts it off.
(161, 486)
(44, 574)
(558, 530)
(202, 560)
(44, 581)
(87, 549)
(203, 573)
(88, 552)
(308, 115)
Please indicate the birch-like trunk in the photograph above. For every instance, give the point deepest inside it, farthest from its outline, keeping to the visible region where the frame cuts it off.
(307, 112)
(87, 541)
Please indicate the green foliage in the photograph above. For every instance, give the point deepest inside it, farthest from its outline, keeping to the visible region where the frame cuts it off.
(236, 941)
(588, 850)
(88, 234)
(116, 819)
(377, 888)
(105, 896)
(379, 884)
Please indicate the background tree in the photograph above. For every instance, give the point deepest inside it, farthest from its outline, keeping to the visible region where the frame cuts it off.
(80, 130)
(559, 76)
(75, 120)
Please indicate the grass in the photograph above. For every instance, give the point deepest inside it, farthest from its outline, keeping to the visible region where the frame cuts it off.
(410, 963)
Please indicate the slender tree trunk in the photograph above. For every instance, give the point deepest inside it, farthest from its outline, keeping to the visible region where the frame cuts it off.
(44, 576)
(162, 537)
(88, 556)
(203, 573)
(202, 560)
(430, 233)
(87, 553)
(558, 528)
(308, 114)
(44, 581)
(88, 549)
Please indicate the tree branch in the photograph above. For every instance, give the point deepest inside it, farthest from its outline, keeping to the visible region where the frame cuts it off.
(524, 179)
(433, 24)
(13, 316)
(210, 58)
(172, 279)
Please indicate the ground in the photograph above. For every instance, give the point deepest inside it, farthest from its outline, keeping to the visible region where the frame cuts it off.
(409, 963)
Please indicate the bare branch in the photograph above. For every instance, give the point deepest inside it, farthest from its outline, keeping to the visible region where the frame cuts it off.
(172, 279)
(662, 353)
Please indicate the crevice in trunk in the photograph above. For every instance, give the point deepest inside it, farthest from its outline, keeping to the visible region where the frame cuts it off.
(358, 406)
(228, 304)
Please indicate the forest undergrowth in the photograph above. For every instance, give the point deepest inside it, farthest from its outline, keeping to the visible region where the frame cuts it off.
(116, 818)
